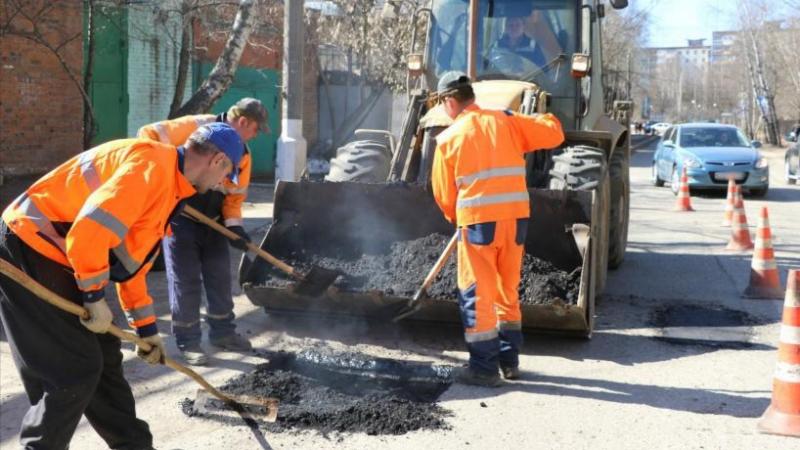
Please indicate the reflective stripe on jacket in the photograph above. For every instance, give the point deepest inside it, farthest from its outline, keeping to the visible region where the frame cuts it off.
(177, 131)
(103, 214)
(478, 170)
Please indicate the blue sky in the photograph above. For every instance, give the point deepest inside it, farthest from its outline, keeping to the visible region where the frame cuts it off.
(675, 21)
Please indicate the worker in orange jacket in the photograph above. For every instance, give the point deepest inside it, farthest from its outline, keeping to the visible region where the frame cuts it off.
(96, 218)
(479, 184)
(196, 256)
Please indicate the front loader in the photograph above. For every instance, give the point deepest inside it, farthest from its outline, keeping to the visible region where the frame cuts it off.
(579, 193)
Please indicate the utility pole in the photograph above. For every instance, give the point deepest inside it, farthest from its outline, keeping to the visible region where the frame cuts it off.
(291, 159)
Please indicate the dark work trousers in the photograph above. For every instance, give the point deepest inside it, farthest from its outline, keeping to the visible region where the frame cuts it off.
(197, 257)
(67, 370)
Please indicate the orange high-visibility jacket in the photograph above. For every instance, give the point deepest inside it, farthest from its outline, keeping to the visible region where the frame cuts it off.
(479, 166)
(103, 213)
(176, 131)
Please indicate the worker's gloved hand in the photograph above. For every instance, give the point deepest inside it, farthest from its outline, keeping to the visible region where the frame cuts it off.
(156, 353)
(100, 316)
(243, 240)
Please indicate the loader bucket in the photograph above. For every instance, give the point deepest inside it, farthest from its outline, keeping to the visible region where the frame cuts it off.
(344, 220)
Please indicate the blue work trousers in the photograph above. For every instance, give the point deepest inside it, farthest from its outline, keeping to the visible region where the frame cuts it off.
(197, 257)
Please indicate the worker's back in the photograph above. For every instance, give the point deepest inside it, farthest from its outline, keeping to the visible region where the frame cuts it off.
(485, 149)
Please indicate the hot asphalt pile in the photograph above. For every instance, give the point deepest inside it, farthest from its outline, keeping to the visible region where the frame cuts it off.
(345, 393)
(401, 271)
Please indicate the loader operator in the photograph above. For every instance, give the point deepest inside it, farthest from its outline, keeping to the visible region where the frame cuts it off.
(479, 184)
(98, 217)
(197, 256)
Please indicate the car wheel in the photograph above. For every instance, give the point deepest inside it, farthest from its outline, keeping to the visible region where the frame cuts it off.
(675, 181)
(657, 182)
(760, 192)
(789, 176)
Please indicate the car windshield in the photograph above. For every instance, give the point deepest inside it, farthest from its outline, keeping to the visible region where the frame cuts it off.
(529, 40)
(712, 137)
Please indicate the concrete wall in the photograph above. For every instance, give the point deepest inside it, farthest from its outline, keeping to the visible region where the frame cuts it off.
(41, 109)
(153, 52)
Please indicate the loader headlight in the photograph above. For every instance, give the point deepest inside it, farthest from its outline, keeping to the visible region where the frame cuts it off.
(762, 163)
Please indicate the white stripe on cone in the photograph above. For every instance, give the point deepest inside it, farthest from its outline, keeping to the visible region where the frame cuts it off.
(788, 373)
(790, 335)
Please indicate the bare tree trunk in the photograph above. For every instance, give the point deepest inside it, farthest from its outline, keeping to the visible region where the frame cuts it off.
(89, 126)
(221, 75)
(183, 61)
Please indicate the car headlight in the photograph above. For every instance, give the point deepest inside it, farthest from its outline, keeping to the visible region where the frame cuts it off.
(761, 163)
(692, 163)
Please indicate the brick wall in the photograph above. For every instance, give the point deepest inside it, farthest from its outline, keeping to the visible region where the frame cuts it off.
(153, 52)
(41, 111)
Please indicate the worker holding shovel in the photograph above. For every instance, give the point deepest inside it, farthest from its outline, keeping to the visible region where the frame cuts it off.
(98, 217)
(478, 181)
(196, 256)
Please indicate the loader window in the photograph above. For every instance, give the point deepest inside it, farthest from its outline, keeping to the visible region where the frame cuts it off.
(530, 40)
(541, 53)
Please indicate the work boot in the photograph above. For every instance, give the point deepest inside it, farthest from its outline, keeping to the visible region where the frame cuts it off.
(193, 354)
(510, 373)
(466, 375)
(233, 342)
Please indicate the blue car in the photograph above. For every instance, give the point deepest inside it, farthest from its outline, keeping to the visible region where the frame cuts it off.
(712, 154)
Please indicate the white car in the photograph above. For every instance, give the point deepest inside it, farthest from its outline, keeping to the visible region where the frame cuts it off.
(661, 127)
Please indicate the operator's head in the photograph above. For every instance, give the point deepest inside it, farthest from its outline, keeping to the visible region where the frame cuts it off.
(455, 92)
(248, 116)
(515, 27)
(213, 152)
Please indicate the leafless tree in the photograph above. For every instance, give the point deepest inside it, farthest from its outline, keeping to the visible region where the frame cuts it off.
(624, 36)
(372, 52)
(221, 76)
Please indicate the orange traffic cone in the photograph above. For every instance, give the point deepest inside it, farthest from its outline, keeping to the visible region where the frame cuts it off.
(764, 279)
(730, 202)
(740, 234)
(783, 414)
(683, 202)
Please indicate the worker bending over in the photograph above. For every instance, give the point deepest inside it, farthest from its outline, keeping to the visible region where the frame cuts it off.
(479, 184)
(98, 217)
(197, 256)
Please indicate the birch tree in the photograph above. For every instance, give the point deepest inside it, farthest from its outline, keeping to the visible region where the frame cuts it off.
(221, 76)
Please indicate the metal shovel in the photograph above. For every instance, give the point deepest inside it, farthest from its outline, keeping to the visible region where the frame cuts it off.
(312, 284)
(248, 407)
(415, 304)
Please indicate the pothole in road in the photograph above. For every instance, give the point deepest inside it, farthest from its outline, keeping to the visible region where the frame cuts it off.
(343, 393)
(703, 325)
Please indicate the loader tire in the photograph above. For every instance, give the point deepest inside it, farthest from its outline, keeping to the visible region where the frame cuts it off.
(583, 168)
(619, 208)
(361, 161)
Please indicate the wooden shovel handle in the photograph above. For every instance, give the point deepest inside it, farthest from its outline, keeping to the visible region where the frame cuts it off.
(440, 262)
(202, 218)
(56, 300)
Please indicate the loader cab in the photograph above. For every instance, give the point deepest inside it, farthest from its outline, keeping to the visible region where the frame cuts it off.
(538, 41)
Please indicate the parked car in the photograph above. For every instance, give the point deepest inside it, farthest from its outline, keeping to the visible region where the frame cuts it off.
(660, 128)
(791, 165)
(712, 154)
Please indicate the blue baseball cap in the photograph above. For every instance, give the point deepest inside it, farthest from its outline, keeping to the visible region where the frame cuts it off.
(227, 140)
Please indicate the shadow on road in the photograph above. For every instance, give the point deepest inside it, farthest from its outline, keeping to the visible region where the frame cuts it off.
(700, 401)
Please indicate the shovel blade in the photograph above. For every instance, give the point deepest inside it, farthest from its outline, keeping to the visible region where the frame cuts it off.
(245, 406)
(316, 281)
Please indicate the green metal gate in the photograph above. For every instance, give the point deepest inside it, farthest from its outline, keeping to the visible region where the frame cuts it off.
(108, 90)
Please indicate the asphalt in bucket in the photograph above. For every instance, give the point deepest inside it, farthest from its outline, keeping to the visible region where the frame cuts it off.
(343, 393)
(401, 270)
